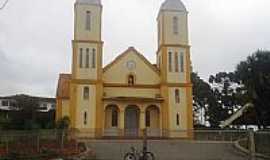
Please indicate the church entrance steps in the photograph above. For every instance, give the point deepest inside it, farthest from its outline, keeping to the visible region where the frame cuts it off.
(168, 149)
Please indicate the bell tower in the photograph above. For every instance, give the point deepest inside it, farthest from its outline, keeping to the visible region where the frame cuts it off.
(86, 82)
(173, 59)
(87, 44)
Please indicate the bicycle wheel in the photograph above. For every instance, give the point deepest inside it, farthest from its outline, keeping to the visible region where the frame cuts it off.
(129, 156)
(150, 156)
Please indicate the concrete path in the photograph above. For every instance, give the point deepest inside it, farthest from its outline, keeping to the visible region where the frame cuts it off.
(168, 149)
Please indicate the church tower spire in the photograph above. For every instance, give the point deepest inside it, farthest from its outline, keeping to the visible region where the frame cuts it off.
(173, 59)
(87, 43)
(86, 79)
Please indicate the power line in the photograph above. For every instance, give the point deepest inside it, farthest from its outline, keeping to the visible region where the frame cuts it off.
(4, 5)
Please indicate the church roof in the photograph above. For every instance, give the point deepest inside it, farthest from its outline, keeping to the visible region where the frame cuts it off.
(118, 58)
(173, 5)
(95, 2)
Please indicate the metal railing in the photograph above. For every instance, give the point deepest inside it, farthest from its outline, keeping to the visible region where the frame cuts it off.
(45, 143)
(201, 135)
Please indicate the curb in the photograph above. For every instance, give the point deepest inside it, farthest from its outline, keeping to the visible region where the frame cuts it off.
(246, 151)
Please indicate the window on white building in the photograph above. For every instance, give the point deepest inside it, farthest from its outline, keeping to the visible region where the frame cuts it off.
(4, 103)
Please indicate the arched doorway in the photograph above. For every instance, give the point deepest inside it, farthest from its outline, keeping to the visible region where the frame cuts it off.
(111, 120)
(152, 120)
(132, 117)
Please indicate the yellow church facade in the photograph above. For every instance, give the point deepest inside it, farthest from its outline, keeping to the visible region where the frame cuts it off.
(129, 94)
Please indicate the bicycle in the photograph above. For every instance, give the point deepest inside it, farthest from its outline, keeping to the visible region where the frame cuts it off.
(135, 155)
(144, 155)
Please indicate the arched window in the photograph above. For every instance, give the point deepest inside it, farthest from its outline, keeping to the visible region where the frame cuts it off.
(182, 62)
(114, 117)
(81, 58)
(175, 25)
(176, 65)
(170, 61)
(88, 21)
(85, 118)
(177, 96)
(94, 58)
(131, 80)
(147, 118)
(87, 58)
(177, 119)
(86, 93)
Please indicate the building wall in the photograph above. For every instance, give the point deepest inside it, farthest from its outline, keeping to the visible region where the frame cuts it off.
(177, 77)
(177, 108)
(65, 108)
(165, 20)
(88, 106)
(85, 73)
(80, 21)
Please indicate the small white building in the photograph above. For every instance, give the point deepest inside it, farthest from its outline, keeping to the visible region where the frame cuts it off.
(9, 103)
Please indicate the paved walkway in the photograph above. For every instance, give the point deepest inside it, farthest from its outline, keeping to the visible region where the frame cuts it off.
(168, 149)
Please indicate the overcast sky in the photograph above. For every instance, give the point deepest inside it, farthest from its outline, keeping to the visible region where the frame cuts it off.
(35, 37)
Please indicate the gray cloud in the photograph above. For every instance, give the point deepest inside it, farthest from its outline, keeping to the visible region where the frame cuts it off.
(35, 37)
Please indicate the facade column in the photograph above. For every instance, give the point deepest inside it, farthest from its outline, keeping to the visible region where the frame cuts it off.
(142, 121)
(160, 121)
(122, 120)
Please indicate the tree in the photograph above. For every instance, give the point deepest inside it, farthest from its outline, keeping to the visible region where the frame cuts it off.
(228, 92)
(63, 123)
(2, 6)
(28, 106)
(205, 104)
(254, 74)
(4, 121)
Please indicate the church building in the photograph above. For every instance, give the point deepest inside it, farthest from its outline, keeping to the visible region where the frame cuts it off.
(130, 93)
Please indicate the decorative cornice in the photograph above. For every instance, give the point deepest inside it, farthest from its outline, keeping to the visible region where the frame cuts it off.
(155, 86)
(87, 41)
(177, 84)
(173, 45)
(84, 81)
(133, 99)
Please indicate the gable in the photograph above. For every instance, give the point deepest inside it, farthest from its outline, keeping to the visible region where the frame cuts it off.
(117, 72)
